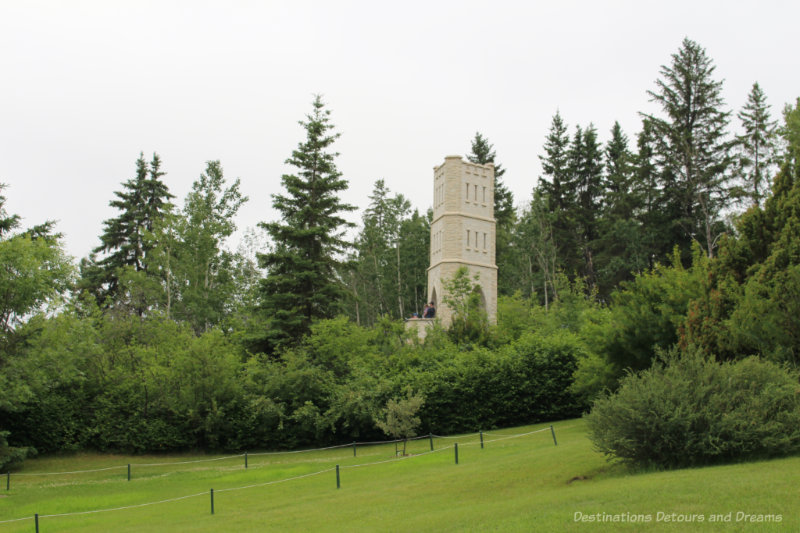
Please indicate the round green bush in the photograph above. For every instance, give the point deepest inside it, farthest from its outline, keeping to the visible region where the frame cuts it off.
(690, 410)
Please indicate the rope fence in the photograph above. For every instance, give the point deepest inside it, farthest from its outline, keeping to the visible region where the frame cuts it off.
(256, 454)
(337, 468)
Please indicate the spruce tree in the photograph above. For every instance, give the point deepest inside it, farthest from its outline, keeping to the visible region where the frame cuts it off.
(620, 247)
(694, 156)
(555, 189)
(588, 177)
(301, 283)
(142, 202)
(555, 165)
(756, 145)
(504, 214)
(483, 153)
(658, 218)
(619, 199)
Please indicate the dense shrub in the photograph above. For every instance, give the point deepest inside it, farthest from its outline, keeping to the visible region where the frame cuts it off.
(526, 382)
(11, 456)
(689, 410)
(152, 385)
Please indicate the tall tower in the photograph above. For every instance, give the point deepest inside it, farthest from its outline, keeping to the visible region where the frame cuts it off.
(463, 231)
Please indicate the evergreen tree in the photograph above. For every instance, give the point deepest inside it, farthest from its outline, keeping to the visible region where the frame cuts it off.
(587, 176)
(301, 283)
(620, 248)
(791, 134)
(483, 153)
(142, 203)
(654, 217)
(619, 197)
(504, 213)
(693, 153)
(756, 145)
(554, 188)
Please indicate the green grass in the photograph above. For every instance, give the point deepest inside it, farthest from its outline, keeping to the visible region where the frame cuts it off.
(520, 484)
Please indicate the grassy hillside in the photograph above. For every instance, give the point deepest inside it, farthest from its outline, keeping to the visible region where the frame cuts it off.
(513, 484)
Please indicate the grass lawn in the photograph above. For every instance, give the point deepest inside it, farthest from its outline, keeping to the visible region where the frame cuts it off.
(513, 484)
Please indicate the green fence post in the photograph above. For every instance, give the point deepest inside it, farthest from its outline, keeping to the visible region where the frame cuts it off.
(129, 471)
(456, 447)
(354, 449)
(36, 520)
(212, 501)
(245, 459)
(338, 483)
(430, 437)
(481, 440)
(555, 442)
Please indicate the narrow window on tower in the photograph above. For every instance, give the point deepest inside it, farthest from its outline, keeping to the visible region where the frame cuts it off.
(467, 191)
(468, 239)
(476, 194)
(484, 195)
(484, 242)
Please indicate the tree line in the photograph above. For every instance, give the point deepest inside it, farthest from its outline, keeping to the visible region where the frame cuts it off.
(164, 338)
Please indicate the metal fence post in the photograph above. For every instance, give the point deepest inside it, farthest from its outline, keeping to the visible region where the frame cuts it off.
(456, 448)
(338, 483)
(481, 440)
(212, 501)
(555, 442)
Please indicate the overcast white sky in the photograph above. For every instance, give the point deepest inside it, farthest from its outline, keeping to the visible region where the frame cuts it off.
(87, 85)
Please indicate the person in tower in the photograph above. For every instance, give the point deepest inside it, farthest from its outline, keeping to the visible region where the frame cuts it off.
(430, 312)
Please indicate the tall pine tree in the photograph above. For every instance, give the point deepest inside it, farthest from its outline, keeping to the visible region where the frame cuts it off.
(301, 283)
(555, 189)
(620, 248)
(694, 155)
(483, 153)
(504, 214)
(588, 175)
(142, 203)
(757, 145)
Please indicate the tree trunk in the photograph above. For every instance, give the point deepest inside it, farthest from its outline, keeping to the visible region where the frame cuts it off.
(399, 283)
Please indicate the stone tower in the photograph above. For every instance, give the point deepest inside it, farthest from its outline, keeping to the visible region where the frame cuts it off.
(463, 231)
